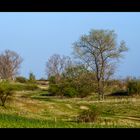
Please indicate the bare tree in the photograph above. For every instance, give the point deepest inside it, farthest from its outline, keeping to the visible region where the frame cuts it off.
(99, 51)
(56, 65)
(9, 64)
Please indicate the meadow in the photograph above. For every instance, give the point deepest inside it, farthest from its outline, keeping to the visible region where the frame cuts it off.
(34, 109)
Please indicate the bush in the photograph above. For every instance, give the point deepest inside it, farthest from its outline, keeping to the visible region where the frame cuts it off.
(54, 89)
(80, 86)
(62, 89)
(31, 87)
(70, 89)
(90, 115)
(85, 90)
(6, 90)
(32, 78)
(119, 93)
(21, 79)
(52, 80)
(133, 87)
(70, 92)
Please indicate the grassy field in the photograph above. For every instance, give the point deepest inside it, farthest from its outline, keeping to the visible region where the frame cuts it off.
(29, 109)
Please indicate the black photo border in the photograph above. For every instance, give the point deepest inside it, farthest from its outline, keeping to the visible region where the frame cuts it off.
(70, 6)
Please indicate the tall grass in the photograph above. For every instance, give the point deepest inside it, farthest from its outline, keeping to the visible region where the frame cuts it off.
(23, 87)
(13, 121)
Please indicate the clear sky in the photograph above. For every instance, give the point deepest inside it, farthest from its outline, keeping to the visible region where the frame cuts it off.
(37, 36)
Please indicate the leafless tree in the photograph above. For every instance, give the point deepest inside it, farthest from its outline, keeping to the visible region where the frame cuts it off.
(99, 51)
(9, 64)
(56, 65)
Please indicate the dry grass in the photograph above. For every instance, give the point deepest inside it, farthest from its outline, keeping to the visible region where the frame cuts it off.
(117, 112)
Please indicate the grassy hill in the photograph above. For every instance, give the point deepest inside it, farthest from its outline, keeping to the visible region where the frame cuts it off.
(30, 109)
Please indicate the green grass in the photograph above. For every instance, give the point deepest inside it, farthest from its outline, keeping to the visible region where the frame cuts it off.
(28, 109)
(23, 86)
(12, 121)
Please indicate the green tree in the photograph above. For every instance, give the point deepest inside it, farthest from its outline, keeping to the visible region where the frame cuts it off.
(32, 78)
(99, 51)
(76, 81)
(6, 90)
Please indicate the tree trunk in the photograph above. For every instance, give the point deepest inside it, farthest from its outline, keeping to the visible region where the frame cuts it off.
(100, 90)
(100, 97)
(103, 96)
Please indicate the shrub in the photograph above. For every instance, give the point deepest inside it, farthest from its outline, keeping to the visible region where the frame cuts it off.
(90, 115)
(21, 79)
(85, 90)
(54, 89)
(32, 78)
(80, 86)
(133, 87)
(31, 87)
(70, 91)
(6, 90)
(62, 89)
(119, 93)
(52, 79)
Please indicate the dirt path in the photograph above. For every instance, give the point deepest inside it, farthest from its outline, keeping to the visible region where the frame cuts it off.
(112, 100)
(128, 117)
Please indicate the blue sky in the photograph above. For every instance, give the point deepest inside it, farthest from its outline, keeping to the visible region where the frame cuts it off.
(37, 36)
